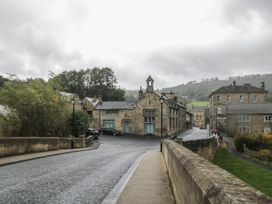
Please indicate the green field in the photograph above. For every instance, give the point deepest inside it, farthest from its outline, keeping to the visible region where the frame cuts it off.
(254, 176)
(197, 103)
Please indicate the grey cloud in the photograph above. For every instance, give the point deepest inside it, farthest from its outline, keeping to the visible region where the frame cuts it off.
(235, 10)
(31, 42)
(229, 58)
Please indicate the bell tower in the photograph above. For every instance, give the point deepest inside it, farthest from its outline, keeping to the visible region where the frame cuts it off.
(149, 85)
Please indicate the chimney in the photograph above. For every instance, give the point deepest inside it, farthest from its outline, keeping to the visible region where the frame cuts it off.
(234, 83)
(141, 93)
(263, 85)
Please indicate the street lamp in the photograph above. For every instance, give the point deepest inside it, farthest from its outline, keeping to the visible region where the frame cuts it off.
(161, 101)
(73, 116)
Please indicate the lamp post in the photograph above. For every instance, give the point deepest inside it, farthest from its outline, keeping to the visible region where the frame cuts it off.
(73, 115)
(161, 101)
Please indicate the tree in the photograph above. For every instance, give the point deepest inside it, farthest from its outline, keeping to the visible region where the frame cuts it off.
(2, 81)
(79, 122)
(99, 82)
(39, 107)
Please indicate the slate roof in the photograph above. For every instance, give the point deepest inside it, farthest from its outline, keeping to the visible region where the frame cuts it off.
(198, 108)
(249, 108)
(114, 105)
(246, 88)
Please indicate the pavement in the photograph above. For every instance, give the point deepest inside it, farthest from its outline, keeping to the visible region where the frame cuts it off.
(147, 180)
(149, 183)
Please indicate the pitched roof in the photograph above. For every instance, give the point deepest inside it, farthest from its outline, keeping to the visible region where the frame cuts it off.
(249, 108)
(93, 101)
(114, 105)
(246, 88)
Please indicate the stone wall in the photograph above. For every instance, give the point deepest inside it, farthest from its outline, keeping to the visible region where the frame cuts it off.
(196, 145)
(22, 145)
(196, 180)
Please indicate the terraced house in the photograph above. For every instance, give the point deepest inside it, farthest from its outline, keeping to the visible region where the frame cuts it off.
(240, 108)
(144, 116)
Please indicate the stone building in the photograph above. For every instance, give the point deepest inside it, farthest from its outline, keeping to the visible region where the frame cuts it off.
(89, 104)
(144, 116)
(200, 116)
(233, 94)
(72, 100)
(249, 118)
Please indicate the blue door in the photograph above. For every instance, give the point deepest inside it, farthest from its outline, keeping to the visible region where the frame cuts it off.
(126, 127)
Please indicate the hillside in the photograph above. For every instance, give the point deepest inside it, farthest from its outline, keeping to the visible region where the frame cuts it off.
(200, 90)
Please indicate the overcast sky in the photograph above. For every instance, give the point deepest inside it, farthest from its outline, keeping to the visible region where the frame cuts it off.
(175, 41)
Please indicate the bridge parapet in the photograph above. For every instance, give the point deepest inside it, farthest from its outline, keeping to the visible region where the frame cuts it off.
(196, 180)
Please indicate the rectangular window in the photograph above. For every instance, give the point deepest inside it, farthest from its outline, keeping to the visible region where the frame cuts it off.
(219, 110)
(242, 98)
(149, 116)
(228, 98)
(218, 98)
(218, 120)
(267, 130)
(108, 123)
(245, 129)
(244, 118)
(255, 99)
(268, 118)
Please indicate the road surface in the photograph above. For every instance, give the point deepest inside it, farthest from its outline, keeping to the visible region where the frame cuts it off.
(82, 177)
(194, 134)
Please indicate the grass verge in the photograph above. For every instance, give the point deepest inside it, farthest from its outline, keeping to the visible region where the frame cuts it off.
(254, 176)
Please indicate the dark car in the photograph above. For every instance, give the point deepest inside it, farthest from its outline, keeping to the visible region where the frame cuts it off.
(93, 132)
(109, 131)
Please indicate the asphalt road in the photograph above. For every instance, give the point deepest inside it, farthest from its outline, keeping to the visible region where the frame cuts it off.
(194, 134)
(81, 177)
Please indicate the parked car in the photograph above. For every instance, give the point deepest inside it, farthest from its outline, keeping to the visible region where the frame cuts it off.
(109, 131)
(93, 132)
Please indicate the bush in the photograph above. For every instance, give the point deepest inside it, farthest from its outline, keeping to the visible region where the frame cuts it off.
(79, 123)
(9, 124)
(253, 141)
(39, 108)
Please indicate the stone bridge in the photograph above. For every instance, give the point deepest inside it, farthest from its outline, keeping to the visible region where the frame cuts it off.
(196, 180)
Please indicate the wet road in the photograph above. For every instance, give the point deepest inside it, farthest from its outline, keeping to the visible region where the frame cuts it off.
(81, 177)
(194, 134)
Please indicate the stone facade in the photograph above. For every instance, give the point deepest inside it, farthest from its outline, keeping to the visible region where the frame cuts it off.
(233, 94)
(200, 116)
(249, 118)
(145, 115)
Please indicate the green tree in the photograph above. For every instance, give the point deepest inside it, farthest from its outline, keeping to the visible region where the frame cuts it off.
(79, 122)
(2, 81)
(39, 107)
(99, 82)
